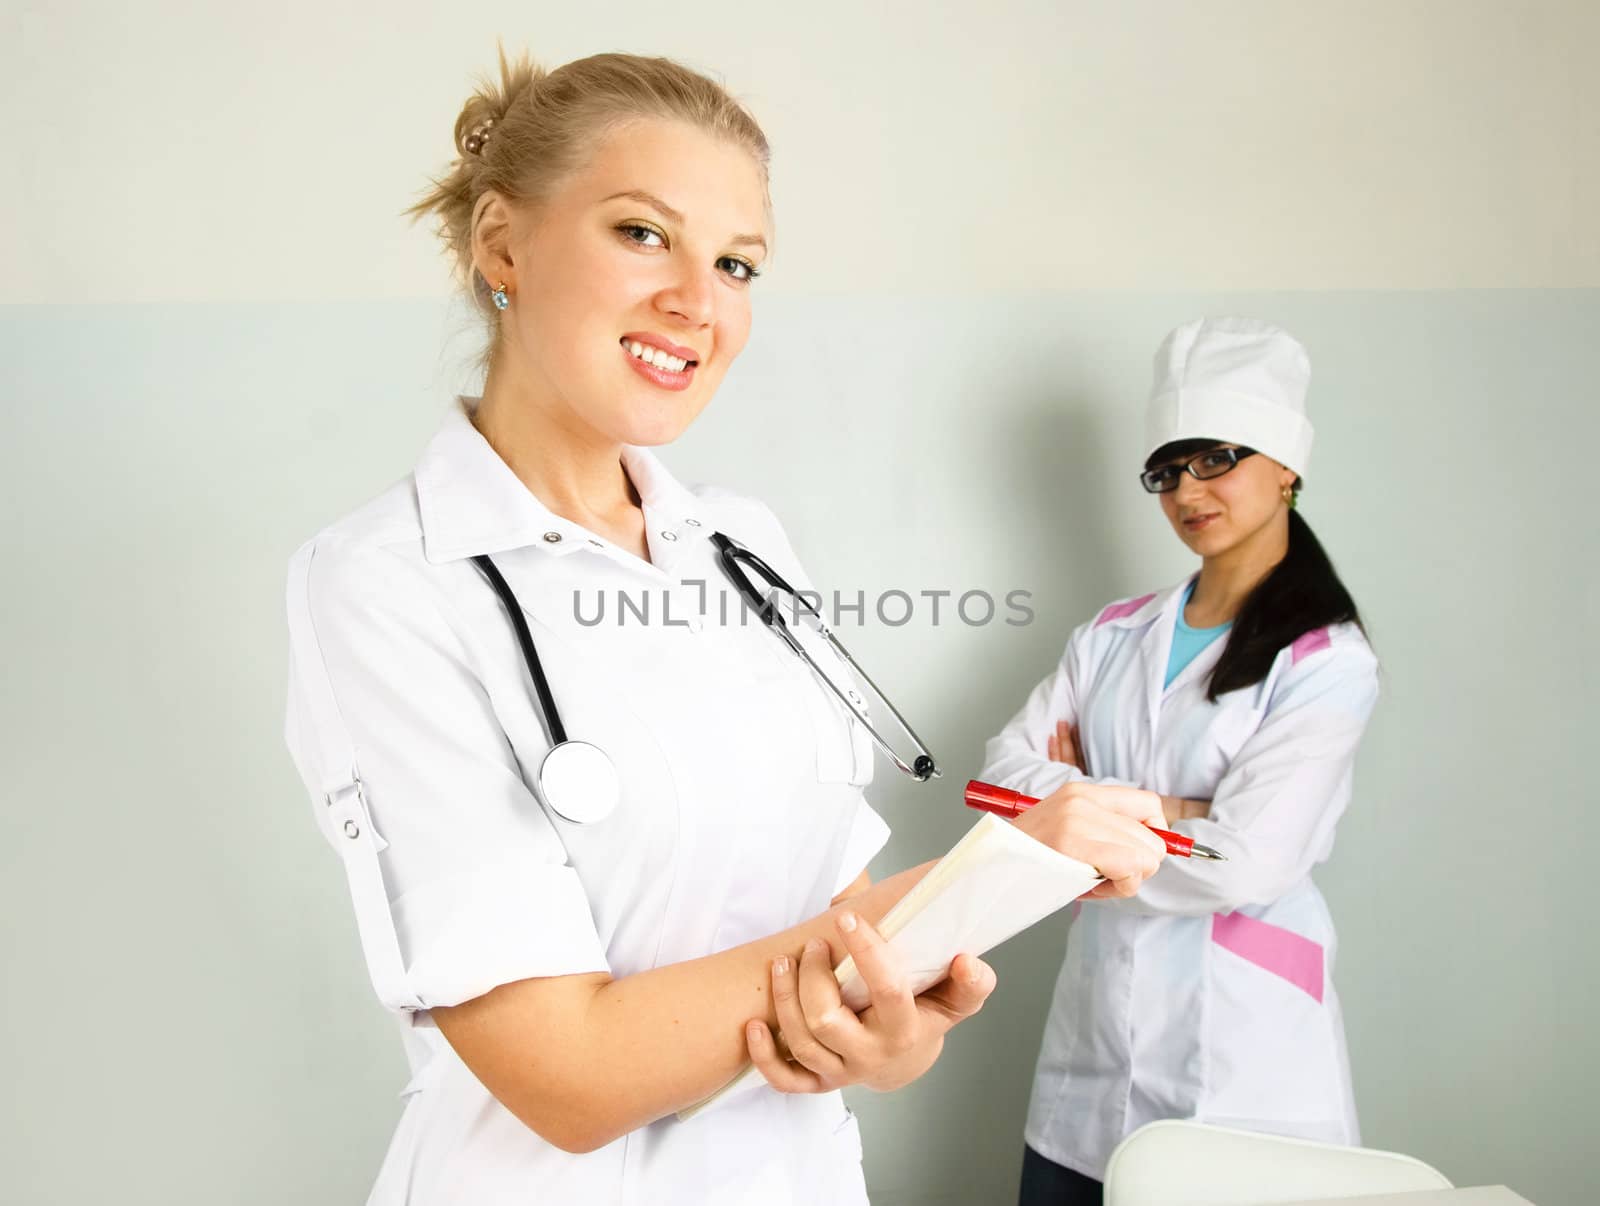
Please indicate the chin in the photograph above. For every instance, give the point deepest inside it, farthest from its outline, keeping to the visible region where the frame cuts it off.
(1207, 544)
(653, 430)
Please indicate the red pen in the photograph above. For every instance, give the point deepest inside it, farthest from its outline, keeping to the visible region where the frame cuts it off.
(1004, 802)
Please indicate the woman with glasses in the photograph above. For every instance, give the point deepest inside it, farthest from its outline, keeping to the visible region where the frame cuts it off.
(1240, 695)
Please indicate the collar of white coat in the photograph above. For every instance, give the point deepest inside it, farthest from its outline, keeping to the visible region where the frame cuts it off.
(471, 503)
(1140, 610)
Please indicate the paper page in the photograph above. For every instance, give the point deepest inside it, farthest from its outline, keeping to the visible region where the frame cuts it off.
(995, 882)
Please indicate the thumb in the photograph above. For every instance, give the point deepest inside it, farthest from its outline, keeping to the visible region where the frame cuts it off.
(961, 993)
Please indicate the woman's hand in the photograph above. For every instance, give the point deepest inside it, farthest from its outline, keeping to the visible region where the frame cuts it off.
(1104, 826)
(1062, 746)
(1177, 809)
(892, 1042)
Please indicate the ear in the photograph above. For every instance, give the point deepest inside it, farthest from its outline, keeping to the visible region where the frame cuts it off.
(493, 231)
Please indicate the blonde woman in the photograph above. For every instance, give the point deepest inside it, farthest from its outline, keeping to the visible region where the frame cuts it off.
(567, 980)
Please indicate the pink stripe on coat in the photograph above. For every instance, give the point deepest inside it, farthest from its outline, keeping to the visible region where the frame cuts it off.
(1272, 948)
(1117, 610)
(1311, 642)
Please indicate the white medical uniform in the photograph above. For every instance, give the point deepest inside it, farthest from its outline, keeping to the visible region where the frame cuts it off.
(412, 721)
(1208, 995)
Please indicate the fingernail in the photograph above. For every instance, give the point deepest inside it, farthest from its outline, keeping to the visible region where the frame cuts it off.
(754, 1031)
(780, 965)
(815, 946)
(847, 922)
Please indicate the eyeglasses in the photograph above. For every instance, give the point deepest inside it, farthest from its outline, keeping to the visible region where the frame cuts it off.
(1213, 462)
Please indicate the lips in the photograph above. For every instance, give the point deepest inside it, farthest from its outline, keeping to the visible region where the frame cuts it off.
(651, 340)
(656, 367)
(1196, 523)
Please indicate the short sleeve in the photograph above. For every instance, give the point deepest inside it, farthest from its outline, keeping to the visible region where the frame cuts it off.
(459, 881)
(868, 834)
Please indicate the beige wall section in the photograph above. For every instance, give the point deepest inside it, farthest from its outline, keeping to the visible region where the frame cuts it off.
(179, 151)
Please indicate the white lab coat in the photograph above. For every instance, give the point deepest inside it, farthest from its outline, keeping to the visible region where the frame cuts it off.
(1209, 995)
(741, 814)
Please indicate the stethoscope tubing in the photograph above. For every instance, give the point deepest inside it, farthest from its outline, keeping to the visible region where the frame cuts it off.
(580, 808)
(541, 685)
(731, 554)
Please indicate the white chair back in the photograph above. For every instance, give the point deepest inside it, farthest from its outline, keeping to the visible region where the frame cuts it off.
(1193, 1164)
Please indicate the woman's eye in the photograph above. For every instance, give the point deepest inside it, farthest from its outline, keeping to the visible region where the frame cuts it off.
(1214, 460)
(645, 236)
(740, 270)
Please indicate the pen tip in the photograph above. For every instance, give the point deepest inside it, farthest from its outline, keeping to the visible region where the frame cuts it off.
(1208, 852)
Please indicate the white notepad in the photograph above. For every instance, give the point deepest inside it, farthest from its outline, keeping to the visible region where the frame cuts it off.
(995, 882)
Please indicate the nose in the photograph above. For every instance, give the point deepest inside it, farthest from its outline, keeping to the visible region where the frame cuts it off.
(689, 297)
(1190, 490)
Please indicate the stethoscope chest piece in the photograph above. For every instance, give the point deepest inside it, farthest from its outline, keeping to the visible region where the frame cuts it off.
(579, 783)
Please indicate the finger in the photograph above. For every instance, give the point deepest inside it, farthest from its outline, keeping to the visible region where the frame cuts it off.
(1124, 865)
(1065, 750)
(1077, 747)
(882, 973)
(1052, 746)
(1131, 802)
(960, 994)
(831, 1023)
(779, 1072)
(804, 1047)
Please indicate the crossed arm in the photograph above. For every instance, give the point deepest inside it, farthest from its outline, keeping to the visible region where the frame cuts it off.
(1064, 746)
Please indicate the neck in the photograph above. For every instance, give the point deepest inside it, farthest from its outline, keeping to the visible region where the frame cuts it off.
(1227, 579)
(568, 466)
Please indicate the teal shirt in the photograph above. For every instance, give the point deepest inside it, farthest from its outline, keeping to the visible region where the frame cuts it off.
(1188, 643)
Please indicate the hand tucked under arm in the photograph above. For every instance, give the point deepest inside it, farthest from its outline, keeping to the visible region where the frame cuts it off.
(889, 1044)
(582, 1060)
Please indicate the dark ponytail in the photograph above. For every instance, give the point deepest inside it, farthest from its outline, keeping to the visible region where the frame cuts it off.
(1301, 594)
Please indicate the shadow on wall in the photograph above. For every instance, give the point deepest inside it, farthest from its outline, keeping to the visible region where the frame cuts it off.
(1058, 539)
(1065, 544)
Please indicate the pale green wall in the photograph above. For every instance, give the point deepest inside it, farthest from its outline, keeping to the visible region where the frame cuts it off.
(186, 1016)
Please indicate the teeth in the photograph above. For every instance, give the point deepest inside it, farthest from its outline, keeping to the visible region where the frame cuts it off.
(655, 356)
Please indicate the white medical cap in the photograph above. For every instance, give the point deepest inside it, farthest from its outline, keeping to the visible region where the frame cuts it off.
(1234, 380)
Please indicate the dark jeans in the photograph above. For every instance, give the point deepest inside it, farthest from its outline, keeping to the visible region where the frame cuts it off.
(1046, 1183)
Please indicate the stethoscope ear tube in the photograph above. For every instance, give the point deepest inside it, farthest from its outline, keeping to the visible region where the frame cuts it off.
(922, 767)
(731, 554)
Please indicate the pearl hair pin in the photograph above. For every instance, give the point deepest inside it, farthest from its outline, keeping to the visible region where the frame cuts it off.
(474, 142)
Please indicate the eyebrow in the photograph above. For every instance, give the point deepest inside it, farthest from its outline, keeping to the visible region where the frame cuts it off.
(672, 215)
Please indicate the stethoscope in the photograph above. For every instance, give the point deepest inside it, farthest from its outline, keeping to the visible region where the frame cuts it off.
(578, 781)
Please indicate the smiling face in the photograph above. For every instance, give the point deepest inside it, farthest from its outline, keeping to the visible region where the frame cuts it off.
(629, 286)
(1222, 514)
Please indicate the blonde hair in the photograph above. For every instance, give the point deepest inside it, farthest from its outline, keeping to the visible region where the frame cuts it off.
(523, 136)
